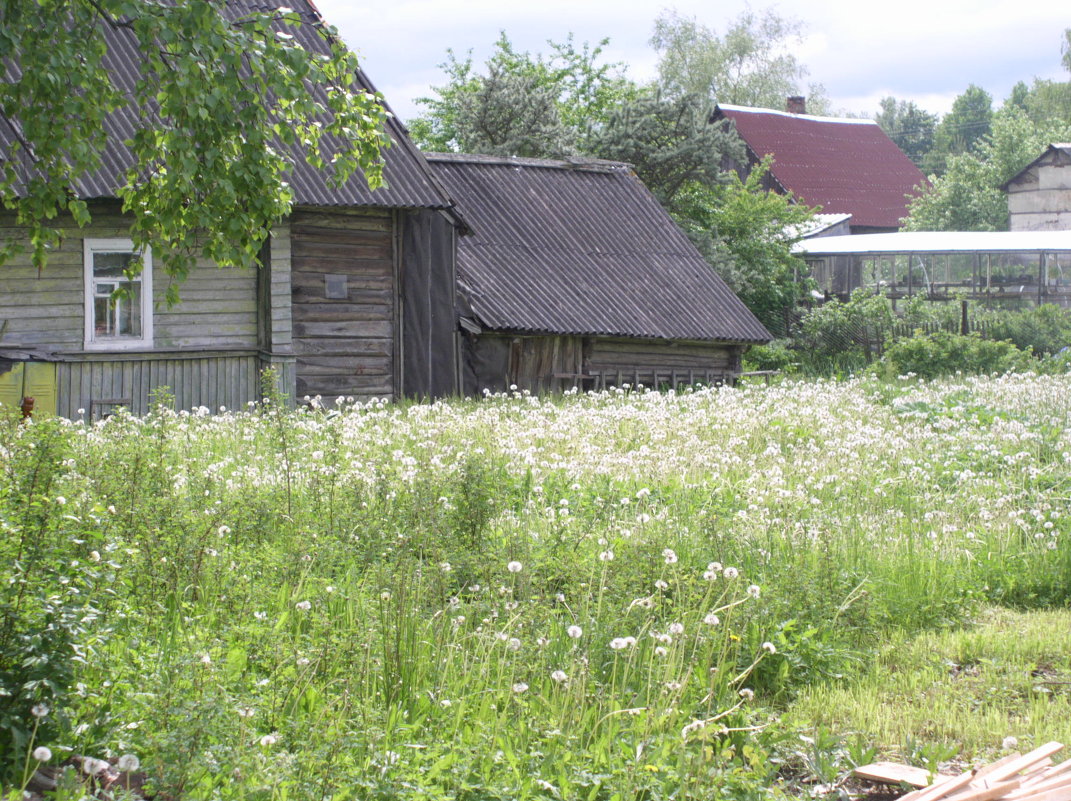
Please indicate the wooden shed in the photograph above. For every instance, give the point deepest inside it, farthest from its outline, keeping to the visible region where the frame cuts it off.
(355, 297)
(574, 275)
(1039, 195)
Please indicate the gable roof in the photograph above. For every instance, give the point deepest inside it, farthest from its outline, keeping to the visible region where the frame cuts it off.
(581, 247)
(407, 180)
(1058, 153)
(847, 166)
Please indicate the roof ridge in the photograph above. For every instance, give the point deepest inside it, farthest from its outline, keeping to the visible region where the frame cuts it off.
(568, 163)
(810, 117)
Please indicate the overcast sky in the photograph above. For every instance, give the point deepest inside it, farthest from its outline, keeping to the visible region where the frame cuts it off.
(860, 51)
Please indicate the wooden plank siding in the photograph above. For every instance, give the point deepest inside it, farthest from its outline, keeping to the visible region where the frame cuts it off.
(208, 379)
(206, 349)
(661, 364)
(345, 344)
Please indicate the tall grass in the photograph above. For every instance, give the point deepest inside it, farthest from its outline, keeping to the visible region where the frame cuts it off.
(603, 596)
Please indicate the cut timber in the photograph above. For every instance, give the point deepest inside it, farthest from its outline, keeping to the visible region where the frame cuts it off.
(987, 793)
(1047, 773)
(1025, 761)
(894, 773)
(940, 789)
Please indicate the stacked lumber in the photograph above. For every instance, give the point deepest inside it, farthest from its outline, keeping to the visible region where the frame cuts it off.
(1016, 777)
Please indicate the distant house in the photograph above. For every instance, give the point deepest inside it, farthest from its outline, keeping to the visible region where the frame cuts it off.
(345, 303)
(574, 275)
(845, 166)
(1039, 195)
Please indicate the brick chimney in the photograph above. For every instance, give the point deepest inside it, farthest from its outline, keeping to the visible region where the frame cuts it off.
(797, 104)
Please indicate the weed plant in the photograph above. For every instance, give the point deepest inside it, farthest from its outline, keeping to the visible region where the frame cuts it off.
(510, 598)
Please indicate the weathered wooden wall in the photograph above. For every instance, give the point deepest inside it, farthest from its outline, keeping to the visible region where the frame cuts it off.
(497, 362)
(344, 345)
(208, 349)
(658, 363)
(1040, 199)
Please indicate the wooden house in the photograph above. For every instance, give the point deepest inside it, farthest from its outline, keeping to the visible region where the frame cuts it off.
(574, 275)
(355, 297)
(843, 166)
(1039, 195)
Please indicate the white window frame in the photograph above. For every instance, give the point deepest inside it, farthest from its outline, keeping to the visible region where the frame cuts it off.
(94, 246)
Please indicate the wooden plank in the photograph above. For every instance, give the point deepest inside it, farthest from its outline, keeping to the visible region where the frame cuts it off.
(1045, 785)
(372, 329)
(1025, 761)
(1048, 772)
(998, 790)
(894, 773)
(340, 311)
(940, 789)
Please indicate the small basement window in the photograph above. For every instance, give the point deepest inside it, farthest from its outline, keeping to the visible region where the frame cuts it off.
(118, 303)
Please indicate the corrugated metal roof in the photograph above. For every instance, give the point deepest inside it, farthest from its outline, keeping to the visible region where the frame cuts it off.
(845, 166)
(409, 182)
(938, 242)
(581, 247)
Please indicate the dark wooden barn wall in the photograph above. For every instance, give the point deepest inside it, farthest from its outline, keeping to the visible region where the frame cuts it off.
(652, 363)
(343, 345)
(557, 363)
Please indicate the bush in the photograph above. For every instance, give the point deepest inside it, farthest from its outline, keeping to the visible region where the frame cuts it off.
(775, 356)
(943, 353)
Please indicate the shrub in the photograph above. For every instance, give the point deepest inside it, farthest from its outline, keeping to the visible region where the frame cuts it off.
(943, 353)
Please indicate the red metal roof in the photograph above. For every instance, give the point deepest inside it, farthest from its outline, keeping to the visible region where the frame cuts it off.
(843, 165)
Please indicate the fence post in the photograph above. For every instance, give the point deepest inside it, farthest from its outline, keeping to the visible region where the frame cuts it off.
(964, 325)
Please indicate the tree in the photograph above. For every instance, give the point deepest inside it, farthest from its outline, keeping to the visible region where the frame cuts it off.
(522, 104)
(750, 65)
(968, 197)
(909, 126)
(747, 233)
(217, 107)
(968, 122)
(671, 143)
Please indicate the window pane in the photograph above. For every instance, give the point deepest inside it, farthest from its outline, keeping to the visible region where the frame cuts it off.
(110, 265)
(117, 313)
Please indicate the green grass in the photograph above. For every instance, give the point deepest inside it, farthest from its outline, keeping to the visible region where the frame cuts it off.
(376, 601)
(1009, 675)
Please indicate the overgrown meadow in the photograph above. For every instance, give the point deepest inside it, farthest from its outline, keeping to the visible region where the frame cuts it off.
(605, 596)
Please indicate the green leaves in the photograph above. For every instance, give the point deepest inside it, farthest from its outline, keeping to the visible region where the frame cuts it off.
(214, 97)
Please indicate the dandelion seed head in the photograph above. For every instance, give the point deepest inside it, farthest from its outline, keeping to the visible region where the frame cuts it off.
(514, 567)
(128, 763)
(575, 632)
(42, 753)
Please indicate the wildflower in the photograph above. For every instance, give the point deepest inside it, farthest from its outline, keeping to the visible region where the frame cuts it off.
(660, 651)
(607, 556)
(94, 556)
(754, 590)
(514, 567)
(575, 632)
(676, 628)
(1009, 742)
(268, 740)
(128, 763)
(673, 686)
(260, 615)
(384, 596)
(39, 710)
(560, 597)
(711, 575)
(93, 766)
(302, 661)
(206, 660)
(246, 711)
(712, 619)
(618, 643)
(731, 572)
(670, 556)
(769, 647)
(520, 687)
(661, 585)
(747, 694)
(514, 644)
(446, 703)
(715, 567)
(692, 727)
(329, 589)
(42, 754)
(223, 531)
(304, 606)
(445, 567)
(643, 518)
(559, 676)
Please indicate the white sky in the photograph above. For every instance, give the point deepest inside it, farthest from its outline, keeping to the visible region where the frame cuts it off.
(860, 51)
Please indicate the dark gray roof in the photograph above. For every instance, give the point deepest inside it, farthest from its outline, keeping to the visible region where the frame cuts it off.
(409, 182)
(581, 247)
